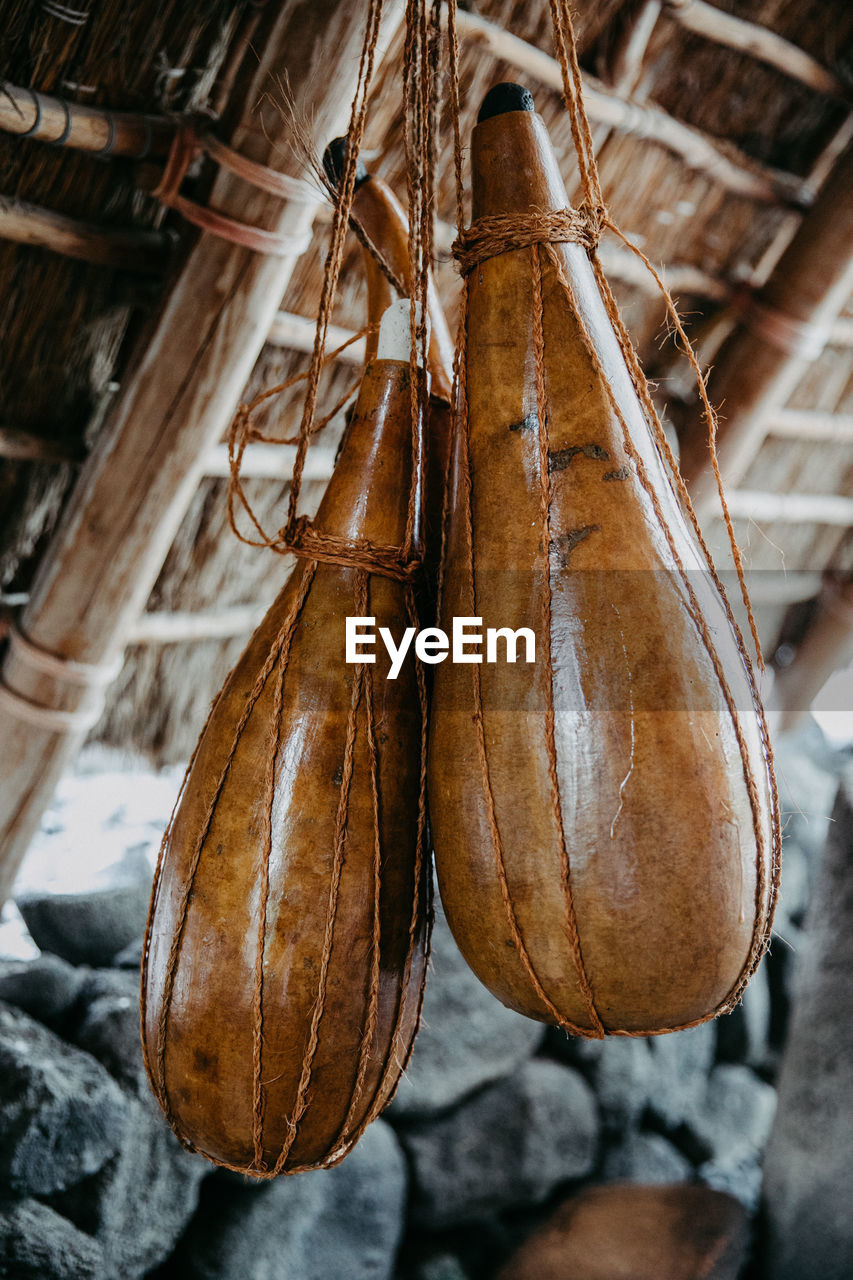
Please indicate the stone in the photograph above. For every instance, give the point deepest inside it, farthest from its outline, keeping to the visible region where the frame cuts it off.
(681, 1062)
(37, 1244)
(744, 1034)
(808, 1172)
(46, 988)
(467, 1037)
(130, 957)
(61, 1115)
(622, 1079)
(639, 1233)
(647, 1158)
(442, 1266)
(507, 1146)
(87, 928)
(107, 1025)
(341, 1222)
(781, 966)
(574, 1051)
(139, 1204)
(736, 1114)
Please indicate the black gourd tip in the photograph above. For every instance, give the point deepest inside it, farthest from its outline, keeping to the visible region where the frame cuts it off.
(505, 97)
(334, 162)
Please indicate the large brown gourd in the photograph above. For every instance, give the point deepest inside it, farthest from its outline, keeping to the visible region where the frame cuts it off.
(286, 948)
(604, 819)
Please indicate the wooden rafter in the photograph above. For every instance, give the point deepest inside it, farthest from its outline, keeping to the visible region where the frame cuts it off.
(756, 42)
(779, 334)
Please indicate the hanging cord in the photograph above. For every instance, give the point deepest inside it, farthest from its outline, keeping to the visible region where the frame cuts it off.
(593, 206)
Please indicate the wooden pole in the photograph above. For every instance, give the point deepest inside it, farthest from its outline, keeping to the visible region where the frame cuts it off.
(756, 42)
(825, 648)
(173, 407)
(782, 330)
(42, 118)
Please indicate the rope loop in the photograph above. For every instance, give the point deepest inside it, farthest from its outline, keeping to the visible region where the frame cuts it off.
(302, 539)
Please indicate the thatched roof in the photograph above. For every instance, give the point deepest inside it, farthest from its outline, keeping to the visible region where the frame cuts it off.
(68, 326)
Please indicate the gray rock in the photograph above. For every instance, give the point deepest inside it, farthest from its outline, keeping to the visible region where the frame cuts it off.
(681, 1062)
(739, 1176)
(733, 1125)
(45, 988)
(87, 928)
(647, 1158)
(575, 1051)
(736, 1114)
(131, 956)
(443, 1266)
(467, 1037)
(744, 1034)
(807, 771)
(781, 963)
(138, 1205)
(61, 1115)
(344, 1222)
(37, 1244)
(808, 1186)
(622, 1080)
(507, 1146)
(795, 886)
(108, 1025)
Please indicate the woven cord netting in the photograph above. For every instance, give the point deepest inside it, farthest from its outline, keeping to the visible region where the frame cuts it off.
(538, 232)
(365, 559)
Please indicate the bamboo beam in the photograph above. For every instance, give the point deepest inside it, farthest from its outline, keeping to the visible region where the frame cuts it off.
(767, 352)
(620, 63)
(825, 648)
(297, 333)
(756, 42)
(809, 424)
(38, 117)
(625, 266)
(172, 408)
(790, 508)
(128, 248)
(186, 627)
(841, 333)
(272, 462)
(737, 173)
(25, 446)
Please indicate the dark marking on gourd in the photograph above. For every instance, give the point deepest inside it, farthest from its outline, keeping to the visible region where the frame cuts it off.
(338, 776)
(527, 424)
(560, 458)
(563, 546)
(621, 474)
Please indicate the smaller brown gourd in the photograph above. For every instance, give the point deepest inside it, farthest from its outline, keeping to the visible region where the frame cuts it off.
(286, 947)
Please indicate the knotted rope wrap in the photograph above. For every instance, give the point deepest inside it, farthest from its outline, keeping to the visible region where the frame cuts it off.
(489, 237)
(188, 143)
(69, 671)
(538, 232)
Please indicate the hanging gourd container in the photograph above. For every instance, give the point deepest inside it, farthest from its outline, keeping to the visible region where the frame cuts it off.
(286, 947)
(604, 817)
